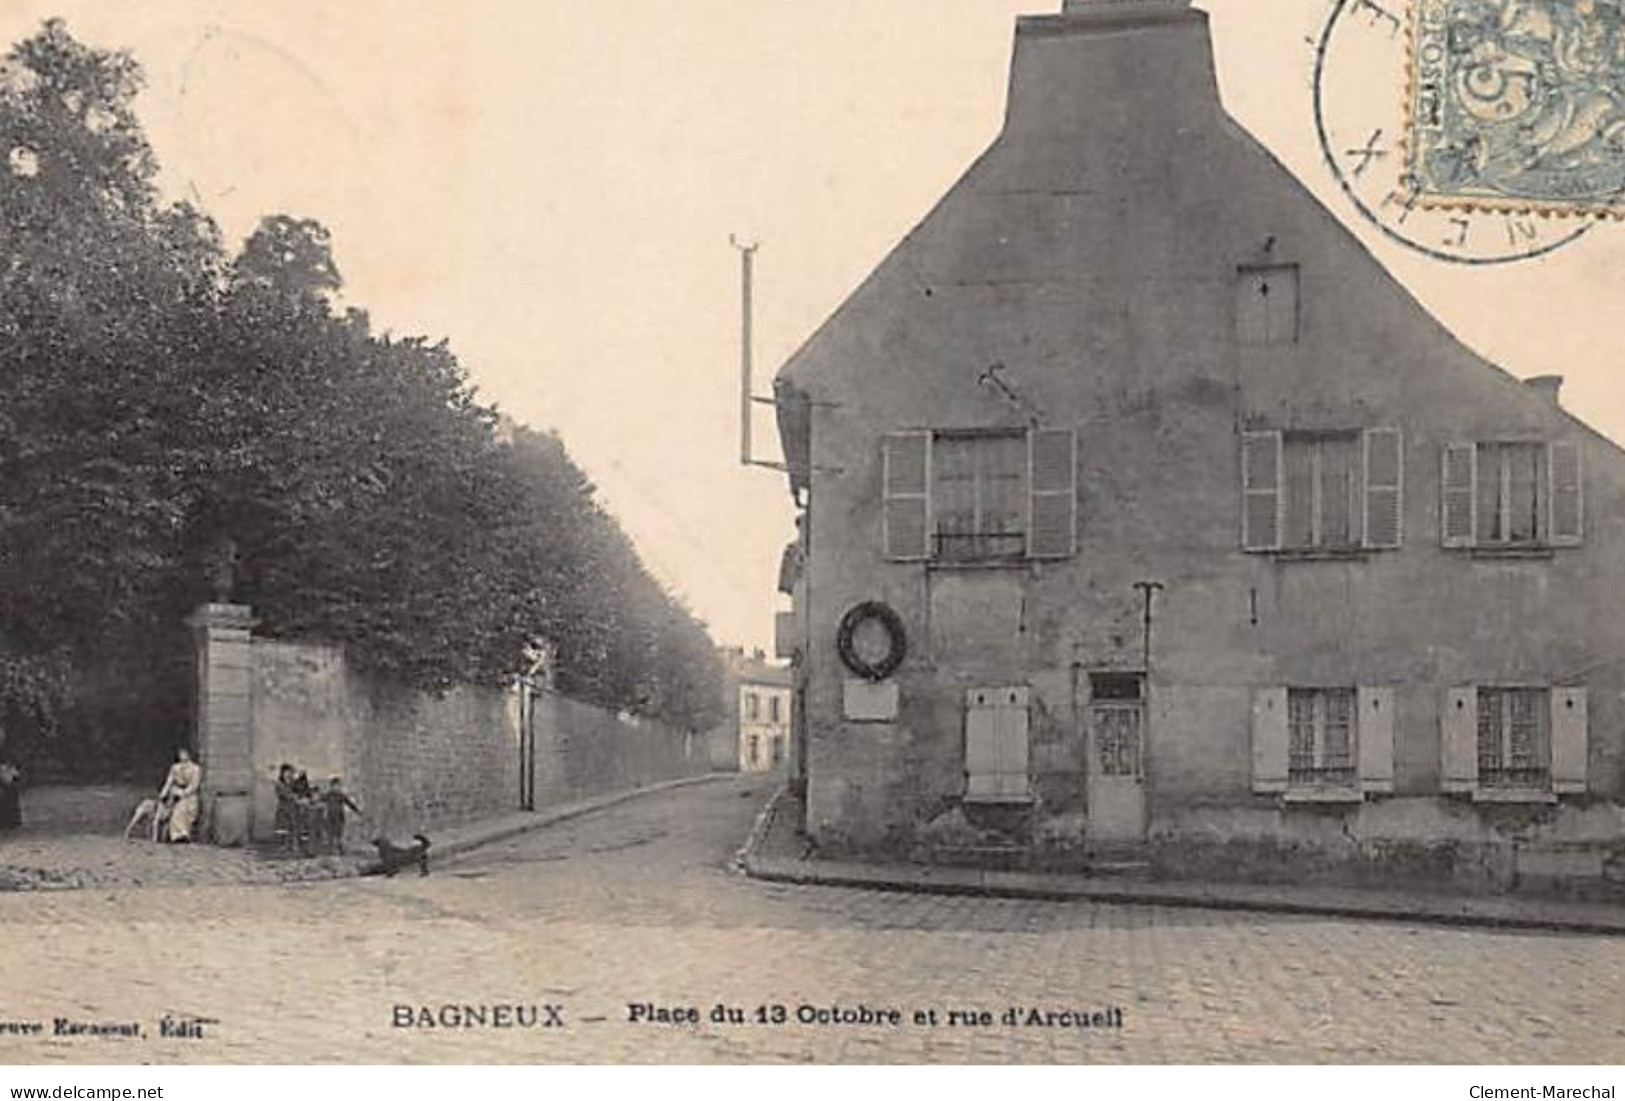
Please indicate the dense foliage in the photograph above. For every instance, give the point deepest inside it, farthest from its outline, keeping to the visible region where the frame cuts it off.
(172, 415)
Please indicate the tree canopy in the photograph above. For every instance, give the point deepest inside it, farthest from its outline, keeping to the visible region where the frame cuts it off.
(166, 402)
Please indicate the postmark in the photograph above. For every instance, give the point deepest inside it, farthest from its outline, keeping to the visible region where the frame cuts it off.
(1362, 111)
(1517, 105)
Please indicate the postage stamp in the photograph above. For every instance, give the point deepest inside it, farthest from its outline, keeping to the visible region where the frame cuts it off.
(1518, 105)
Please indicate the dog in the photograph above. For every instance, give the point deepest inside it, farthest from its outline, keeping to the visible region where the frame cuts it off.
(392, 857)
(153, 812)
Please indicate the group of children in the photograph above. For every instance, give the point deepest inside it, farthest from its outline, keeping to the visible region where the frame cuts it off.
(310, 817)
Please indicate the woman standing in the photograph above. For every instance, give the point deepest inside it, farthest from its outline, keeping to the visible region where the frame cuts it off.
(180, 794)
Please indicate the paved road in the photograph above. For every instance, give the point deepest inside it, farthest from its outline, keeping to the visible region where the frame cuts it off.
(634, 905)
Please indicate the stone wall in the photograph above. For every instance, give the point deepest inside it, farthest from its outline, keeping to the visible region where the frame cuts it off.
(420, 762)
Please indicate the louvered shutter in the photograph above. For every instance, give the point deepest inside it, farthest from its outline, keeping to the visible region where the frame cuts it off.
(1374, 733)
(981, 743)
(1567, 507)
(1569, 742)
(1458, 739)
(1384, 487)
(1052, 513)
(1458, 514)
(1261, 490)
(1269, 740)
(906, 462)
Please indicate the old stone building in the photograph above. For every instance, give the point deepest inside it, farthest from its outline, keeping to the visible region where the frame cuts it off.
(1146, 511)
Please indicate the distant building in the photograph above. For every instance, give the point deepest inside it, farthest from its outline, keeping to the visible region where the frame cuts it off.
(756, 737)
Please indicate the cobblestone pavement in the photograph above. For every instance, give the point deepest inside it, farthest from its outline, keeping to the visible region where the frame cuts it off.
(635, 904)
(43, 860)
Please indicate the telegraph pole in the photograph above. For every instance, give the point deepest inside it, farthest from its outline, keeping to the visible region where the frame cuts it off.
(747, 256)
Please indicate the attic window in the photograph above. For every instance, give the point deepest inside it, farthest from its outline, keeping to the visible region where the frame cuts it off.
(1267, 305)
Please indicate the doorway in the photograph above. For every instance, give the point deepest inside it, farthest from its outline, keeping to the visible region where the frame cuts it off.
(1115, 738)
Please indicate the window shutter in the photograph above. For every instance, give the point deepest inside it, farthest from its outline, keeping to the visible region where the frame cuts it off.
(1261, 491)
(1384, 487)
(1012, 742)
(1569, 743)
(1374, 734)
(906, 462)
(981, 743)
(1458, 516)
(1567, 508)
(1052, 467)
(1458, 739)
(1269, 739)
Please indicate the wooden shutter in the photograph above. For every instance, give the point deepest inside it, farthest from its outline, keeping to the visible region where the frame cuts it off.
(1458, 739)
(1569, 741)
(996, 743)
(906, 463)
(981, 743)
(1052, 469)
(1011, 723)
(1566, 509)
(1374, 733)
(1458, 513)
(1384, 487)
(1267, 305)
(1269, 739)
(1261, 491)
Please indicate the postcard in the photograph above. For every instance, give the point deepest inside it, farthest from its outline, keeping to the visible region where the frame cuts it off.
(930, 532)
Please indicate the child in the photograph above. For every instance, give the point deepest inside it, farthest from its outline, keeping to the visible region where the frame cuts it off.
(334, 800)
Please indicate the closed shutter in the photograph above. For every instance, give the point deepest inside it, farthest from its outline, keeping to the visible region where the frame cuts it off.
(1374, 732)
(1458, 514)
(1269, 740)
(1569, 742)
(1458, 739)
(996, 755)
(1384, 487)
(1567, 508)
(981, 743)
(1012, 742)
(1261, 491)
(1052, 512)
(906, 462)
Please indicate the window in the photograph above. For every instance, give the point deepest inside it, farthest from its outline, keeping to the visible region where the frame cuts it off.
(1267, 305)
(1325, 744)
(1322, 491)
(1514, 742)
(1511, 494)
(1321, 732)
(1514, 747)
(753, 750)
(979, 496)
(773, 705)
(753, 706)
(1117, 710)
(778, 752)
(996, 745)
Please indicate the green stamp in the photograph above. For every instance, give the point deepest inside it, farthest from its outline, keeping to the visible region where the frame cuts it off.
(1517, 105)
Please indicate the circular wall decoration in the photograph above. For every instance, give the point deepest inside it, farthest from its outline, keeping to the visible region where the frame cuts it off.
(871, 640)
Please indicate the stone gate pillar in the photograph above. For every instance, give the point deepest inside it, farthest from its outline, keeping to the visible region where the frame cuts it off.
(223, 718)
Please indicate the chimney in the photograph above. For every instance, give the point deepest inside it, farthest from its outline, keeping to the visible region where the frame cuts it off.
(1108, 88)
(1547, 386)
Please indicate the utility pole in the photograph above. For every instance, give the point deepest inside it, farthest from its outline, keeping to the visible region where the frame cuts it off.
(747, 256)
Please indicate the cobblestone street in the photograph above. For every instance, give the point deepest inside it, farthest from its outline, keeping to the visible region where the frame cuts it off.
(635, 905)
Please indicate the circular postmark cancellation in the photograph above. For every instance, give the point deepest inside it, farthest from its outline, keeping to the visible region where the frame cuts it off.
(1475, 131)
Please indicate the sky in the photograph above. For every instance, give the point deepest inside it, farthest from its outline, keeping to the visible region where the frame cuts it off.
(552, 185)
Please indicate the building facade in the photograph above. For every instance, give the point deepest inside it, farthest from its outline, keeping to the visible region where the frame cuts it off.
(1144, 510)
(756, 735)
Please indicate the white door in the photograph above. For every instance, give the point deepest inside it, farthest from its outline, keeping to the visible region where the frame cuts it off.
(1116, 770)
